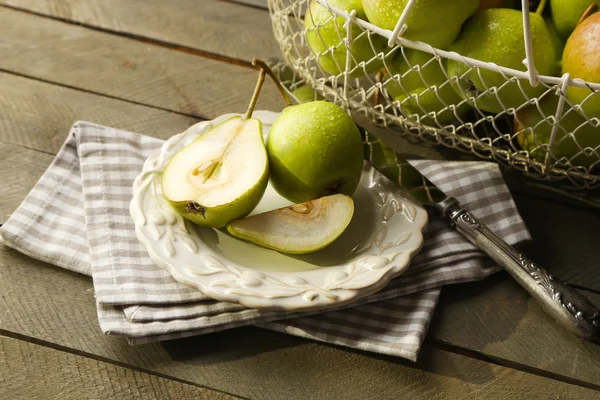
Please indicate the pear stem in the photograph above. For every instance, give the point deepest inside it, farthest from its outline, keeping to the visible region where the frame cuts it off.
(263, 66)
(379, 79)
(254, 99)
(592, 8)
(540, 7)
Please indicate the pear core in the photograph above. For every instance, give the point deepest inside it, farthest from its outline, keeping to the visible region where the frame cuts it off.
(298, 229)
(214, 170)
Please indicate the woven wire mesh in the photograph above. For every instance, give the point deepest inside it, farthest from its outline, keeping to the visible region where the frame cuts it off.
(406, 88)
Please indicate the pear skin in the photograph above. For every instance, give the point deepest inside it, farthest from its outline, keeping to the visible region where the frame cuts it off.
(435, 22)
(299, 229)
(418, 75)
(315, 150)
(325, 34)
(566, 14)
(581, 59)
(209, 199)
(496, 35)
(534, 127)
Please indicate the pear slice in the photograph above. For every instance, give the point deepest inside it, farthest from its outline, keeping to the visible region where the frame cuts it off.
(223, 174)
(298, 229)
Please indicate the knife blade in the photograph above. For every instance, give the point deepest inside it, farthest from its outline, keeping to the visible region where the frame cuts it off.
(563, 302)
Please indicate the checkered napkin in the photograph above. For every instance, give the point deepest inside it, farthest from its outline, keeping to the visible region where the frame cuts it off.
(77, 217)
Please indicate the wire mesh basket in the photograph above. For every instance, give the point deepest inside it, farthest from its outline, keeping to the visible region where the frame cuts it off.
(518, 115)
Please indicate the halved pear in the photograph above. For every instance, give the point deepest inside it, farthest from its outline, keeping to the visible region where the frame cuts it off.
(221, 176)
(298, 229)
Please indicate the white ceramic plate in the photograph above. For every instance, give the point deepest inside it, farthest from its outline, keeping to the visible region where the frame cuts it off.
(385, 232)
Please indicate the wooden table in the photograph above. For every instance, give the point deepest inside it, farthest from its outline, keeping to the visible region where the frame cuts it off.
(156, 67)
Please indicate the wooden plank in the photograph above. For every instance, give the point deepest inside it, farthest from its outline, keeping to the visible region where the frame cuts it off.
(39, 115)
(223, 28)
(530, 351)
(264, 4)
(498, 319)
(565, 240)
(30, 371)
(251, 362)
(118, 67)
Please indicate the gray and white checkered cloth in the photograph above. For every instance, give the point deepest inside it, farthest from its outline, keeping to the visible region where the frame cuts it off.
(77, 217)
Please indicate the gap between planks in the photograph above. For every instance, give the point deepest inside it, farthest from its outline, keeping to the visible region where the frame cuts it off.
(434, 345)
(467, 352)
(139, 38)
(70, 350)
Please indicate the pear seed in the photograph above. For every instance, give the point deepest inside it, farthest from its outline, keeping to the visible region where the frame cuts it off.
(302, 208)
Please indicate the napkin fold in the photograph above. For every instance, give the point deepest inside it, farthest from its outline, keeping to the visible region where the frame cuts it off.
(77, 217)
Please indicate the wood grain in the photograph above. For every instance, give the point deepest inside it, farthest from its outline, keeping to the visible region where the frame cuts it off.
(251, 362)
(29, 371)
(118, 67)
(498, 319)
(223, 28)
(565, 240)
(477, 328)
(39, 115)
(264, 4)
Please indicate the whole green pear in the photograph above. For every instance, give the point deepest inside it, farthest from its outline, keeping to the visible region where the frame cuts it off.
(419, 75)
(557, 41)
(314, 150)
(540, 123)
(435, 22)
(581, 59)
(325, 33)
(306, 93)
(566, 14)
(496, 35)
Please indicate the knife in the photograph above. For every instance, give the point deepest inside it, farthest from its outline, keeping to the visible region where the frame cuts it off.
(563, 302)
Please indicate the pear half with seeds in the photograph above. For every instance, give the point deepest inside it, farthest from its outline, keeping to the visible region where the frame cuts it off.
(222, 175)
(299, 229)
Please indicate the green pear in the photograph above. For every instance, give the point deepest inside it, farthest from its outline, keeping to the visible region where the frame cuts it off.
(566, 14)
(534, 127)
(581, 59)
(315, 150)
(557, 41)
(298, 229)
(435, 22)
(223, 174)
(325, 33)
(306, 93)
(496, 35)
(419, 74)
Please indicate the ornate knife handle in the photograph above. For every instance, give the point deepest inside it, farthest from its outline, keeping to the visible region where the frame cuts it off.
(563, 302)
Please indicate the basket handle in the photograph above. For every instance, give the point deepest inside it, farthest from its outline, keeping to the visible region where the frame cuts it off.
(401, 26)
(528, 61)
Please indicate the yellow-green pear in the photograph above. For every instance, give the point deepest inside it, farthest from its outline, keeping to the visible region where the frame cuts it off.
(581, 59)
(435, 22)
(423, 87)
(306, 93)
(298, 229)
(223, 174)
(325, 33)
(557, 41)
(534, 127)
(315, 150)
(566, 14)
(496, 35)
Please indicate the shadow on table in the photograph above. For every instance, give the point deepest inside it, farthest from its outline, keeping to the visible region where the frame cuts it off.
(229, 345)
(474, 315)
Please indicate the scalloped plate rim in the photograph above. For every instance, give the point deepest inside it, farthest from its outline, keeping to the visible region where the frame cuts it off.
(400, 261)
